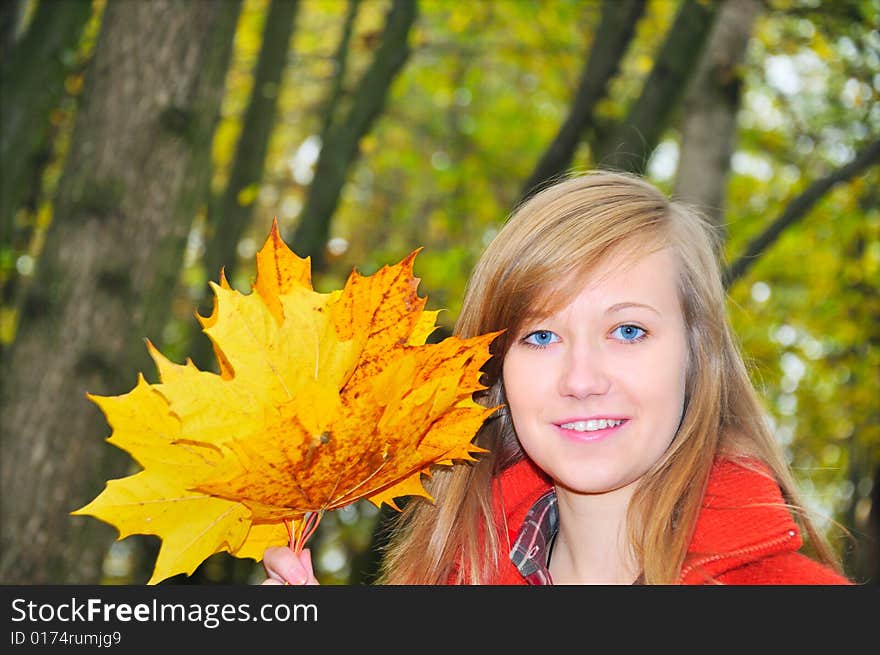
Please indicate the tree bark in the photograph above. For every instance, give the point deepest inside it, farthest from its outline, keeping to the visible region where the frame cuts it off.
(872, 568)
(340, 58)
(630, 144)
(340, 151)
(798, 208)
(229, 217)
(11, 14)
(710, 108)
(136, 172)
(32, 78)
(611, 38)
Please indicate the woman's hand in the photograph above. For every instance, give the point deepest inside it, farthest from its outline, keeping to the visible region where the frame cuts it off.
(284, 567)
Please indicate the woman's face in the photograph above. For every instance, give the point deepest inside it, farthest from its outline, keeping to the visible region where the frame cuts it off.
(596, 390)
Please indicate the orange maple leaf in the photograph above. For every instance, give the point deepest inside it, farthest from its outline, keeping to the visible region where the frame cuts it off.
(321, 400)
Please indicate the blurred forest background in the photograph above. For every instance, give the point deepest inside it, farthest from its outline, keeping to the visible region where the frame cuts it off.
(148, 143)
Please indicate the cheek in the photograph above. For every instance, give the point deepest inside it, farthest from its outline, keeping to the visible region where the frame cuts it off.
(683, 363)
(669, 383)
(660, 380)
(511, 378)
(523, 385)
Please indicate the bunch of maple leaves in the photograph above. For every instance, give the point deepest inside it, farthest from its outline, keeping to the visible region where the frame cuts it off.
(321, 400)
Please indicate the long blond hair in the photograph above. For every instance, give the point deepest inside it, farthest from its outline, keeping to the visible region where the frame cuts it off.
(569, 228)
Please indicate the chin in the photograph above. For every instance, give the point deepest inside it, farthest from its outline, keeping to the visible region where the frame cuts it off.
(595, 483)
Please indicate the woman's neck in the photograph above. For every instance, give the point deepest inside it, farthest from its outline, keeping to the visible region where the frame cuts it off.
(592, 545)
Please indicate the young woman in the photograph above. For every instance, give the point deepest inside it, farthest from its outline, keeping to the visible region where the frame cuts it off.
(632, 447)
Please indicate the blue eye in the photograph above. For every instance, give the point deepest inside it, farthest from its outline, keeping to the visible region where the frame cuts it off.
(541, 338)
(628, 333)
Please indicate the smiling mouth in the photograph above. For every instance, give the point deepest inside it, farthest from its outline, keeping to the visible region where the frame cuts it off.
(592, 425)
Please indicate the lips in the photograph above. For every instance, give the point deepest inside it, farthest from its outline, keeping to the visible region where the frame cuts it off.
(590, 429)
(591, 424)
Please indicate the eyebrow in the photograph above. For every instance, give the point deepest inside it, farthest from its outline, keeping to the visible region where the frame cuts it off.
(626, 305)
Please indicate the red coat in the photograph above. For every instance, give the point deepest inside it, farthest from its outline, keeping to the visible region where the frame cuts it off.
(744, 535)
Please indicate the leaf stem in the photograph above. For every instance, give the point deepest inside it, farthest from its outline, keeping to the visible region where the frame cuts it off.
(300, 531)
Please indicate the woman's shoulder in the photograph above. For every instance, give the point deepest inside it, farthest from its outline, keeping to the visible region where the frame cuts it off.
(788, 568)
(746, 534)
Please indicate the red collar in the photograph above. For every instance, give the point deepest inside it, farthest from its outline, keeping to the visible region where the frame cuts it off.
(743, 516)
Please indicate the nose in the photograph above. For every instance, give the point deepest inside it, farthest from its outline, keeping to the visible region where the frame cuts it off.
(584, 373)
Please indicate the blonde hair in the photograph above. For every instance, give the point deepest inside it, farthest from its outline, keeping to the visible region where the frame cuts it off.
(569, 228)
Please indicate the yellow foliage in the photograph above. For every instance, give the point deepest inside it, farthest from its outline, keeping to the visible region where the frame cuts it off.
(320, 400)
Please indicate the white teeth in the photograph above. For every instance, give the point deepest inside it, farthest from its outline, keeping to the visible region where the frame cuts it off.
(592, 425)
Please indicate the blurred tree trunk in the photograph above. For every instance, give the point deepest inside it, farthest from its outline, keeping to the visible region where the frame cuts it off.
(340, 151)
(228, 218)
(136, 172)
(11, 15)
(610, 41)
(710, 108)
(628, 145)
(861, 557)
(872, 568)
(32, 77)
(340, 61)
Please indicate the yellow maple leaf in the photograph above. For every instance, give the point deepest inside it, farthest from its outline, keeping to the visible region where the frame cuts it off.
(321, 400)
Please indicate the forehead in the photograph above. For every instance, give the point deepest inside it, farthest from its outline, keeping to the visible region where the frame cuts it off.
(650, 277)
(652, 274)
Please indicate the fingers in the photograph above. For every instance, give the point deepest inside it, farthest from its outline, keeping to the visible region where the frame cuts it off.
(283, 566)
(306, 561)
